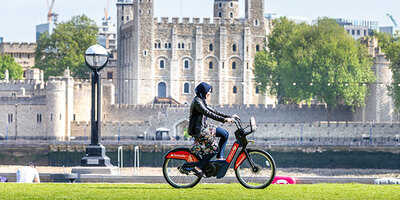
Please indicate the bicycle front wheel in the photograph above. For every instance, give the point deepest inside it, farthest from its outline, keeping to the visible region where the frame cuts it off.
(178, 177)
(261, 175)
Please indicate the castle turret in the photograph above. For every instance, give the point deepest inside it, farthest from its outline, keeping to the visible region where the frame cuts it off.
(55, 108)
(226, 9)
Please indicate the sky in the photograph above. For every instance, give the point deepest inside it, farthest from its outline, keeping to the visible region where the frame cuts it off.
(18, 18)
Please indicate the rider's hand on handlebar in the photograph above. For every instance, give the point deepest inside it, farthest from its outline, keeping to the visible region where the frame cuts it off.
(229, 120)
(235, 116)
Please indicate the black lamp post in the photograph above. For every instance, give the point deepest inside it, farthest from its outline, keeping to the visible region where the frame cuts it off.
(96, 58)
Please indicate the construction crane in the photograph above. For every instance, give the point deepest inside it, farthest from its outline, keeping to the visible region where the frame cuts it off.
(391, 18)
(106, 9)
(51, 17)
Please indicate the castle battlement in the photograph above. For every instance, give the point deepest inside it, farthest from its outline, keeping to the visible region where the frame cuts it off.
(193, 21)
(18, 47)
(23, 100)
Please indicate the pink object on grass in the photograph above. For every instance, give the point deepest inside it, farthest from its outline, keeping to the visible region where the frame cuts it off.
(284, 180)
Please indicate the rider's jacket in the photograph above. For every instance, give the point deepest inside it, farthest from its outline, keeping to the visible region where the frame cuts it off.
(198, 116)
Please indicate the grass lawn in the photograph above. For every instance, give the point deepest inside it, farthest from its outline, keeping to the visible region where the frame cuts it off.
(201, 191)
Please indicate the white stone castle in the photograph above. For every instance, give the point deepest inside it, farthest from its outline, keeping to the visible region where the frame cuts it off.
(158, 59)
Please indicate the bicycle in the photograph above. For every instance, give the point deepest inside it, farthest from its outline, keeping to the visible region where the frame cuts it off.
(254, 169)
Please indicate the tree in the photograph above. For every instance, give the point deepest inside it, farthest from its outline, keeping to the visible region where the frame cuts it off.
(320, 61)
(15, 70)
(66, 47)
(393, 54)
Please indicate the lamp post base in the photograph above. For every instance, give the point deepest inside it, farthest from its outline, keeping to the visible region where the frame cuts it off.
(95, 157)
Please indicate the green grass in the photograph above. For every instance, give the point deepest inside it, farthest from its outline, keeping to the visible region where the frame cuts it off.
(201, 191)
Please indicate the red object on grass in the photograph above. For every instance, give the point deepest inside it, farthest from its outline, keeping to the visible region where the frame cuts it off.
(284, 180)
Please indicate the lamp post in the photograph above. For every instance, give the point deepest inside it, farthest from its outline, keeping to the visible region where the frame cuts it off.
(96, 58)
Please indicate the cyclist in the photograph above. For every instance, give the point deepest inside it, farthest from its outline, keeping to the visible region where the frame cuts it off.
(199, 112)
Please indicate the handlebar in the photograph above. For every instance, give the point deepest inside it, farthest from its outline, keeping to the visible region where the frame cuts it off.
(239, 126)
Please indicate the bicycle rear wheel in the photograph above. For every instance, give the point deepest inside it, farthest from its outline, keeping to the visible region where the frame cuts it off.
(262, 175)
(178, 177)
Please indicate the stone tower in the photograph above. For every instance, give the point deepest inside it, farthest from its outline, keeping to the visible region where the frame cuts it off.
(135, 52)
(379, 105)
(124, 15)
(226, 9)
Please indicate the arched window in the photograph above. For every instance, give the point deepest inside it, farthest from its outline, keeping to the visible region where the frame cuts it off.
(162, 64)
(234, 65)
(256, 22)
(210, 65)
(179, 45)
(210, 47)
(183, 45)
(186, 88)
(219, 14)
(257, 89)
(166, 45)
(258, 48)
(234, 48)
(162, 89)
(159, 45)
(186, 64)
(155, 45)
(231, 15)
(234, 90)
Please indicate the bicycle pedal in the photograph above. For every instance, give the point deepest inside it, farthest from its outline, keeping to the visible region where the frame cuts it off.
(251, 141)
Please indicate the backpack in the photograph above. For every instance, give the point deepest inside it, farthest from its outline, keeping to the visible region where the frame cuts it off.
(205, 143)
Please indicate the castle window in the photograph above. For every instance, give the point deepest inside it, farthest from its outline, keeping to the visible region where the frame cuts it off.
(247, 49)
(122, 18)
(220, 5)
(140, 11)
(149, 12)
(352, 32)
(219, 14)
(155, 45)
(257, 47)
(169, 45)
(365, 33)
(186, 88)
(186, 64)
(234, 48)
(348, 31)
(247, 65)
(29, 55)
(162, 64)
(166, 45)
(73, 117)
(51, 117)
(257, 89)
(109, 75)
(358, 32)
(145, 53)
(231, 14)
(231, 5)
(127, 18)
(210, 47)
(234, 90)
(256, 22)
(179, 45)
(159, 45)
(10, 118)
(210, 65)
(234, 65)
(183, 45)
(39, 118)
(60, 116)
(223, 65)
